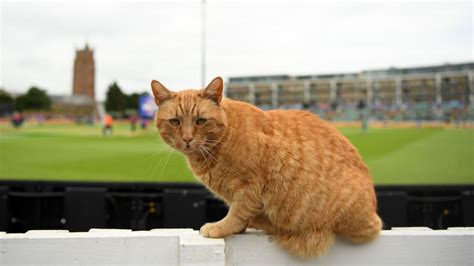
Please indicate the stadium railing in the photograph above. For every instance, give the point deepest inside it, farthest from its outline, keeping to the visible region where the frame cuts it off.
(399, 246)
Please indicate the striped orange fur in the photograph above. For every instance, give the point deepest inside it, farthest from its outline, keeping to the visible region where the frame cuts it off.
(288, 173)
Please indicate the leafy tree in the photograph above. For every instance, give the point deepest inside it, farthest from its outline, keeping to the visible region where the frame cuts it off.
(5, 97)
(115, 99)
(6, 102)
(34, 99)
(132, 100)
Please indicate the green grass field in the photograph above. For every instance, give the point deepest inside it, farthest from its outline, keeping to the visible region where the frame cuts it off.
(394, 156)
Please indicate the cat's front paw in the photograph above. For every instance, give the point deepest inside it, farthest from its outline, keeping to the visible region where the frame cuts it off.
(213, 230)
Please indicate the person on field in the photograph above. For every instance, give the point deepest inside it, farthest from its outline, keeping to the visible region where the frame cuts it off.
(133, 122)
(108, 123)
(17, 119)
(144, 123)
(363, 116)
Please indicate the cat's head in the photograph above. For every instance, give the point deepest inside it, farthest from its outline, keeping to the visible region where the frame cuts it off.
(190, 119)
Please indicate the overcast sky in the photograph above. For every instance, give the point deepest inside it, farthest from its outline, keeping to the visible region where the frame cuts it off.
(135, 42)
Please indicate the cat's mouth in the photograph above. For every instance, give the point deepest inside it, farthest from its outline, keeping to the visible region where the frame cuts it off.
(186, 149)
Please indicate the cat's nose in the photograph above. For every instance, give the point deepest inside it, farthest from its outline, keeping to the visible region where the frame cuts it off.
(188, 140)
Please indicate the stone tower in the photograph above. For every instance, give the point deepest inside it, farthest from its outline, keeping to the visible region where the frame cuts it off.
(84, 73)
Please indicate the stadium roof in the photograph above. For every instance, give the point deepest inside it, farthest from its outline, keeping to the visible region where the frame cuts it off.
(469, 66)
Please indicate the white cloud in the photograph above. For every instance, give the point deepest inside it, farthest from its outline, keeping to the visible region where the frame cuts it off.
(137, 42)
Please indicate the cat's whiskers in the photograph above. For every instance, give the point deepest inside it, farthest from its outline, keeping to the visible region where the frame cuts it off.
(169, 156)
(204, 156)
(164, 158)
(156, 152)
(209, 146)
(208, 152)
(211, 152)
(214, 142)
(163, 149)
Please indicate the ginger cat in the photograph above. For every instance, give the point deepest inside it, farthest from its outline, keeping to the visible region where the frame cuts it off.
(288, 173)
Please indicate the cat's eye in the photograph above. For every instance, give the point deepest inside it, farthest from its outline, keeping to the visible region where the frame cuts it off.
(174, 121)
(200, 121)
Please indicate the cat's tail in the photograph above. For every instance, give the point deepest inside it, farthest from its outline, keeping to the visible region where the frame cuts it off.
(308, 244)
(362, 230)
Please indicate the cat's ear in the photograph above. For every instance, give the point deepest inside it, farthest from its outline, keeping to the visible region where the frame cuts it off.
(160, 92)
(213, 91)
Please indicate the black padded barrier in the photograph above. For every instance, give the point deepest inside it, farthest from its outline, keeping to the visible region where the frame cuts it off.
(79, 206)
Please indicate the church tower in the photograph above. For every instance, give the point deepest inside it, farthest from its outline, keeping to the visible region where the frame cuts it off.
(84, 73)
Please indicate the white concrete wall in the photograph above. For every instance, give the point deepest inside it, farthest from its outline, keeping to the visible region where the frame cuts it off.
(400, 246)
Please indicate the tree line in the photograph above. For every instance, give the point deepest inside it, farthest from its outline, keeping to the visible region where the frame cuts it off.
(117, 101)
(37, 99)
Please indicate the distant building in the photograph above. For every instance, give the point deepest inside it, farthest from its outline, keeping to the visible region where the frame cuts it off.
(73, 106)
(81, 104)
(84, 73)
(392, 90)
